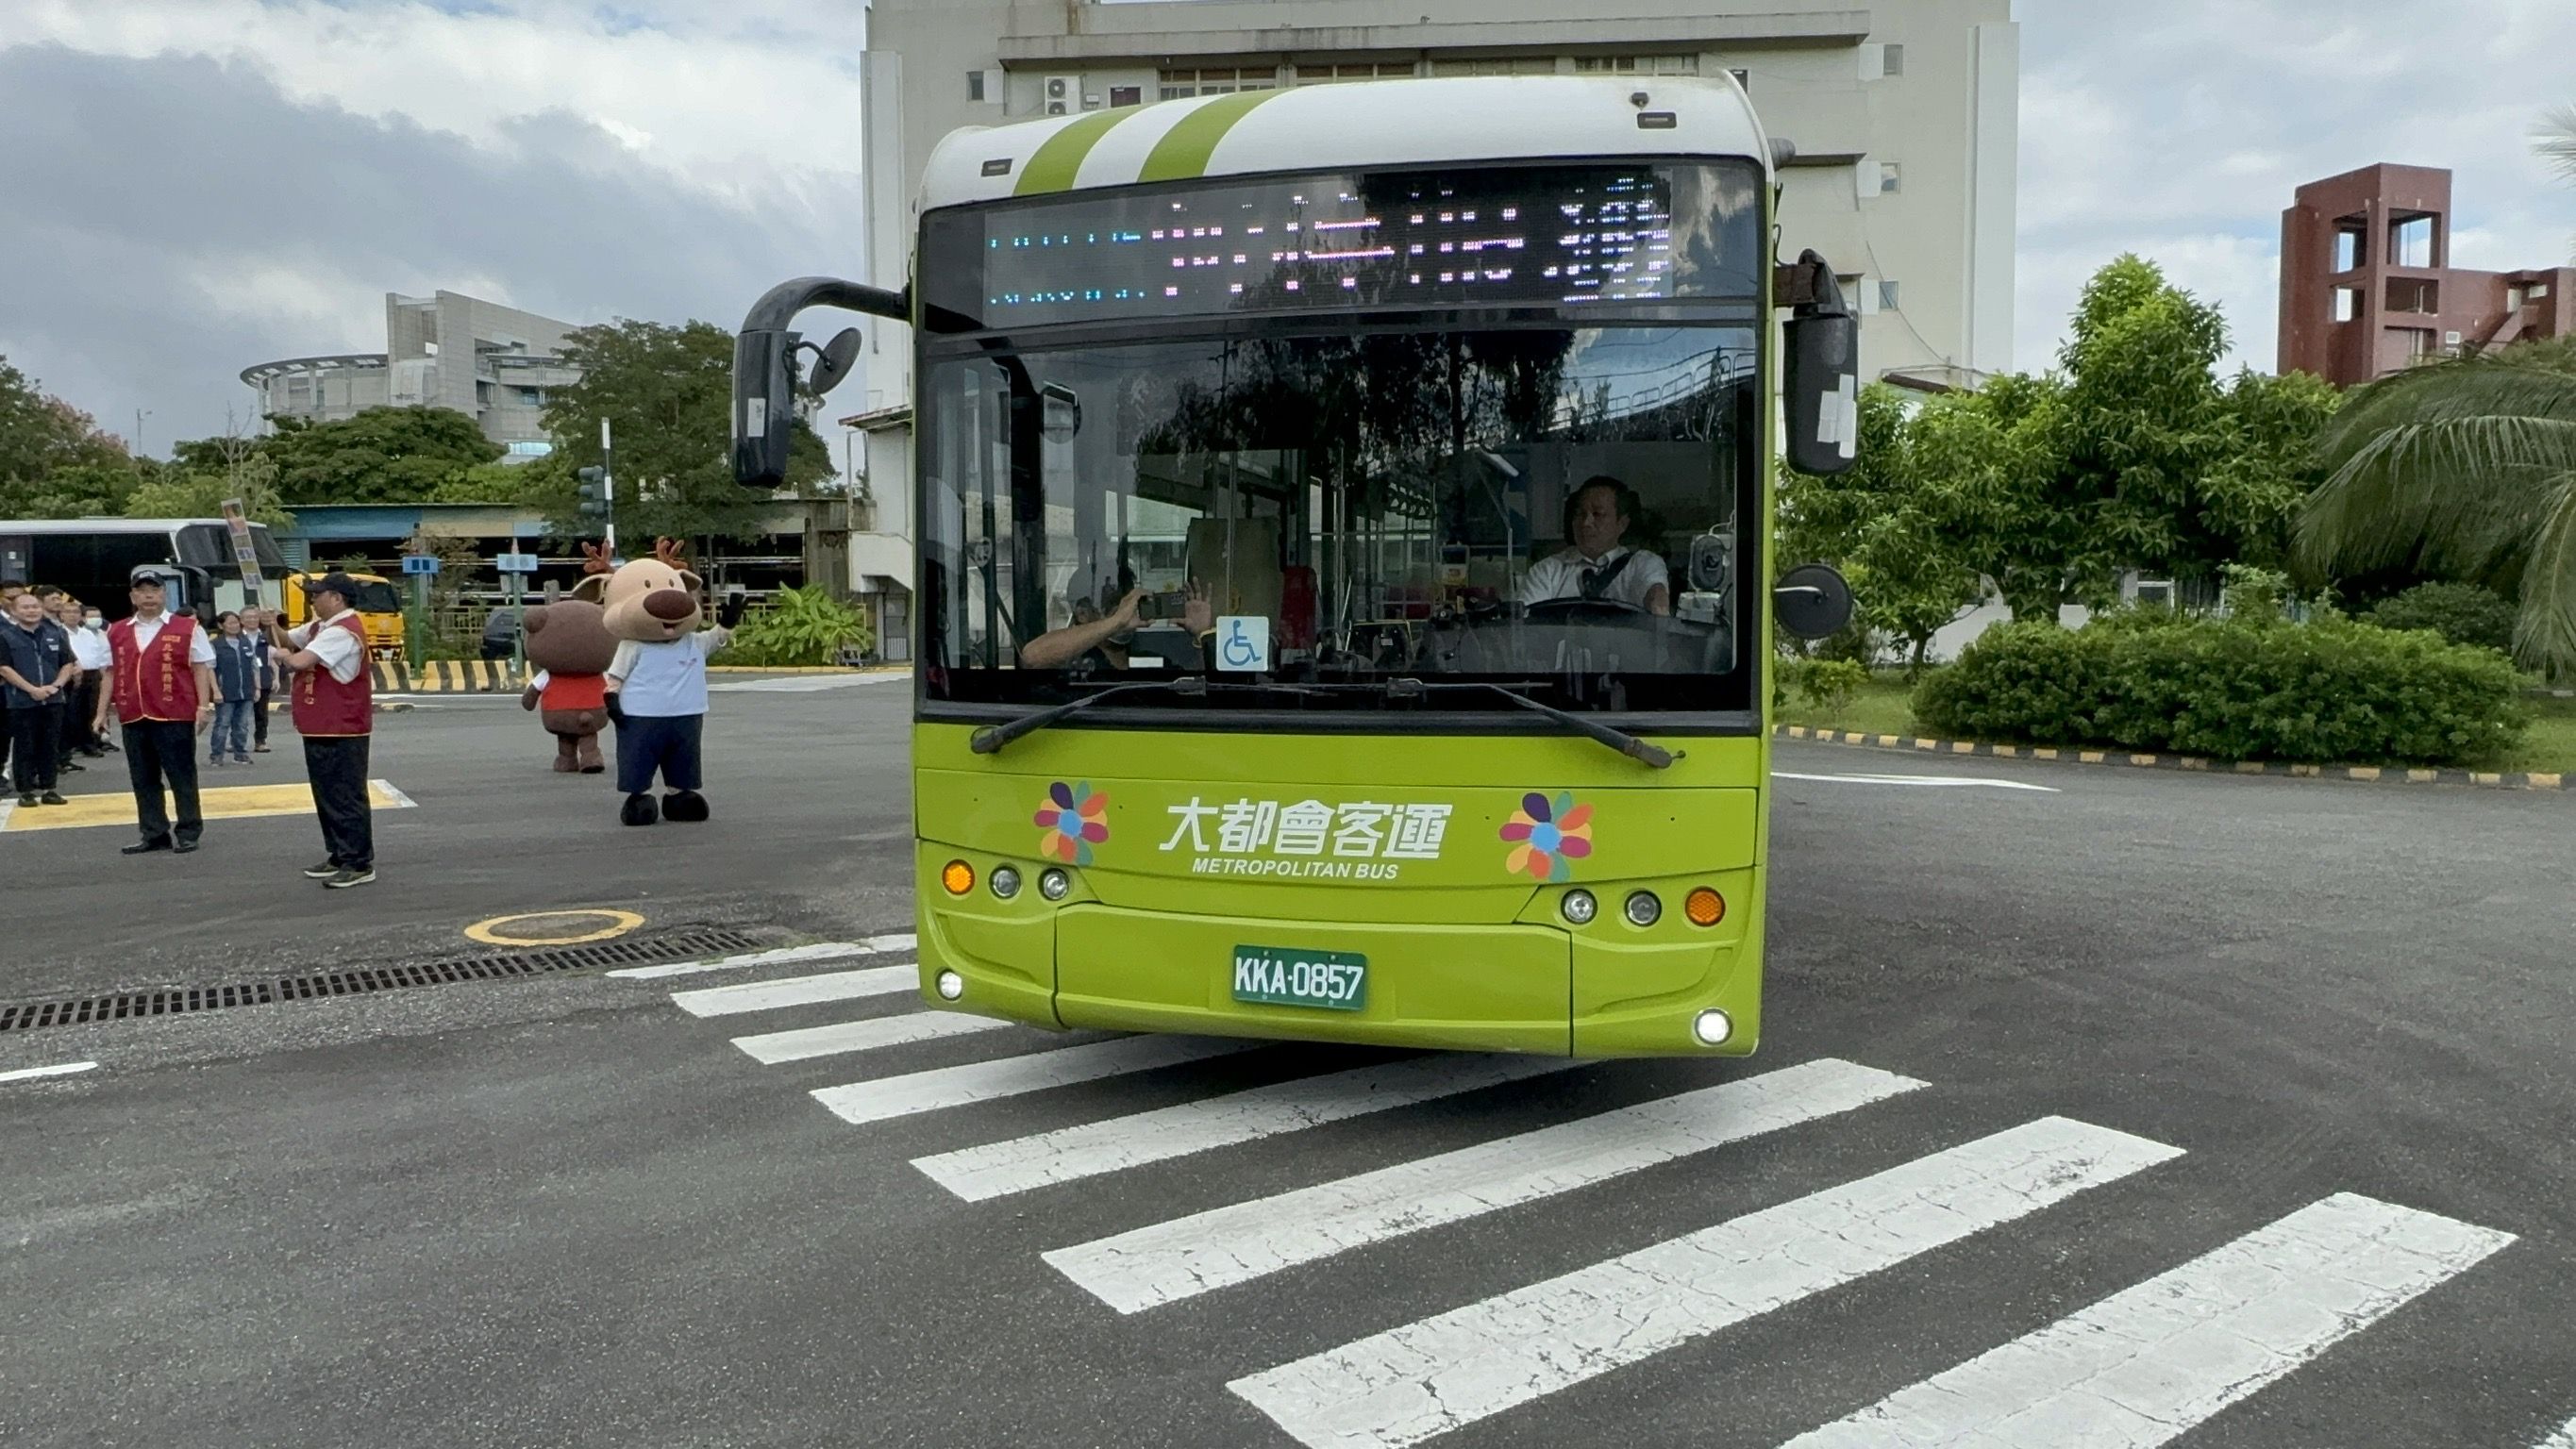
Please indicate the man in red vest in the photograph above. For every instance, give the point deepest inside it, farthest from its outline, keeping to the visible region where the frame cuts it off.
(325, 664)
(160, 680)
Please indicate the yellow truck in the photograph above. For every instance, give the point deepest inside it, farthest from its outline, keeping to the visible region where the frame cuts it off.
(379, 606)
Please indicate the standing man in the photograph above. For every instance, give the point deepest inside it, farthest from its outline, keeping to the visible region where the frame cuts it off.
(255, 623)
(324, 664)
(161, 683)
(80, 699)
(35, 665)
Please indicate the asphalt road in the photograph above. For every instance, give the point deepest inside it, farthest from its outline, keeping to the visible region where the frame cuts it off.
(2040, 1055)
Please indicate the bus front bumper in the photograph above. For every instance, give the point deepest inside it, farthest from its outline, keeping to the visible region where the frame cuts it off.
(1610, 989)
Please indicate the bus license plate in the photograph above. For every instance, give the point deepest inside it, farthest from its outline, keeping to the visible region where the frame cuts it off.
(1288, 976)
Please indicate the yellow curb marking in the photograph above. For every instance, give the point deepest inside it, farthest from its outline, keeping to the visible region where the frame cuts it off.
(2142, 759)
(2483, 778)
(619, 923)
(1797, 732)
(2090, 757)
(2542, 782)
(2009, 752)
(2188, 763)
(2249, 767)
(1927, 744)
(2047, 754)
(2307, 772)
(2422, 777)
(1963, 747)
(2364, 772)
(233, 802)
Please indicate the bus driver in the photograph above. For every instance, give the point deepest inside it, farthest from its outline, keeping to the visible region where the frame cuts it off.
(1596, 565)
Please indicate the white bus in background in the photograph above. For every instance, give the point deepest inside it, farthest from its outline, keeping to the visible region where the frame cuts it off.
(93, 558)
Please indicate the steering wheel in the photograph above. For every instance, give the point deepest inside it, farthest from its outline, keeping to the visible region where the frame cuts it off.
(1581, 608)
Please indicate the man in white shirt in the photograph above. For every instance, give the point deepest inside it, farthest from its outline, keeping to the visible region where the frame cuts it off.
(1597, 565)
(330, 696)
(160, 684)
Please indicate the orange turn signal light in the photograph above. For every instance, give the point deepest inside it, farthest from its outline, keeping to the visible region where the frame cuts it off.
(1704, 907)
(958, 877)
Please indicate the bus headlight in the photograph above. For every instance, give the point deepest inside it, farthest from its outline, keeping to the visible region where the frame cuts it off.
(950, 985)
(1643, 909)
(1578, 907)
(1712, 1027)
(1054, 884)
(1005, 882)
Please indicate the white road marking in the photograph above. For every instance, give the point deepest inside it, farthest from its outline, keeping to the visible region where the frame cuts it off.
(1191, 1255)
(1441, 1373)
(2565, 1438)
(394, 798)
(60, 1069)
(1931, 781)
(2146, 1364)
(797, 991)
(821, 951)
(807, 683)
(1070, 1153)
(1011, 1076)
(861, 1036)
(904, 942)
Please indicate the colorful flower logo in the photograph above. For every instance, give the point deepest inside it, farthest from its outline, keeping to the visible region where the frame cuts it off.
(1546, 835)
(1074, 819)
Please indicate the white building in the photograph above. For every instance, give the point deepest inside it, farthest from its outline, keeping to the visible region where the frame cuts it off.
(1905, 117)
(492, 363)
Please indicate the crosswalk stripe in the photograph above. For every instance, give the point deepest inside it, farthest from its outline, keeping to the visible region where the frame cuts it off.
(1012, 1076)
(1440, 1373)
(859, 1036)
(2565, 1438)
(1190, 1255)
(797, 991)
(2147, 1363)
(1022, 1163)
(820, 951)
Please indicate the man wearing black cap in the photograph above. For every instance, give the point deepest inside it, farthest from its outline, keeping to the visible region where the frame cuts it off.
(325, 666)
(160, 682)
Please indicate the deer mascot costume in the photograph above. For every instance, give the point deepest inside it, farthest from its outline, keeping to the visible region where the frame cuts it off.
(657, 684)
(569, 643)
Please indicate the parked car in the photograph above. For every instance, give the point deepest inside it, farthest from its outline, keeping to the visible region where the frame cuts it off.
(501, 634)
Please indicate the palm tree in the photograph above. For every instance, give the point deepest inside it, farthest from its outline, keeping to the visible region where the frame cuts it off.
(2466, 467)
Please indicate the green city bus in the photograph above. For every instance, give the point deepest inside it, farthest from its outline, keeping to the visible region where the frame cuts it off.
(1344, 597)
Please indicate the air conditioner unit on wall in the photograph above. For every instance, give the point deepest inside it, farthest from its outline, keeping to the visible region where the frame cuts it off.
(1061, 93)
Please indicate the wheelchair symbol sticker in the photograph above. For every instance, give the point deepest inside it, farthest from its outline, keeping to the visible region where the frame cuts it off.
(1243, 643)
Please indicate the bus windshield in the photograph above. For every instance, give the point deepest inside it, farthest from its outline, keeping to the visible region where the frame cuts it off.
(1542, 496)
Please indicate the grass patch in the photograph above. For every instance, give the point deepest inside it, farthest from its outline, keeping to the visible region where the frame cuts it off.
(1880, 708)
(2549, 746)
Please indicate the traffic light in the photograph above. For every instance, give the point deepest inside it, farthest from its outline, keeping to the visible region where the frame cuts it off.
(594, 492)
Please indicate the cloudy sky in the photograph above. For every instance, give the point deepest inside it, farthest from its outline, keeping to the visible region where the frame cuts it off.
(193, 186)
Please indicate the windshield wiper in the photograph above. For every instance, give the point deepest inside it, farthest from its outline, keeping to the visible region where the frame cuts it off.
(991, 738)
(1654, 756)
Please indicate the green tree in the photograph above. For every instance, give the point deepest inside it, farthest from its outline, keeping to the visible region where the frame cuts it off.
(2463, 469)
(2248, 495)
(188, 493)
(668, 393)
(53, 456)
(494, 483)
(1884, 525)
(382, 455)
(1994, 462)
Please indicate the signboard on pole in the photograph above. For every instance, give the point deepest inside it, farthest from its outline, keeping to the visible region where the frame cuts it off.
(419, 563)
(515, 563)
(237, 523)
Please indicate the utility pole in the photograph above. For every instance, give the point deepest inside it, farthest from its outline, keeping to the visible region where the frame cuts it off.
(139, 415)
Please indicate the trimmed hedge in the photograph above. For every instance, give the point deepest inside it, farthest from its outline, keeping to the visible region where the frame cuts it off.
(2461, 613)
(2241, 688)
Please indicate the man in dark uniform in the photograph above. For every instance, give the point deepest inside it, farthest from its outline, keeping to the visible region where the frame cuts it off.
(36, 665)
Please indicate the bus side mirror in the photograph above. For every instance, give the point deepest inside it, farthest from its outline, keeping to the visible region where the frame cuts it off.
(1812, 601)
(764, 406)
(764, 367)
(1821, 381)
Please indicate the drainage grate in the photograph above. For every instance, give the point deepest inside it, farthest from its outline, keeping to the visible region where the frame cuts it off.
(174, 1001)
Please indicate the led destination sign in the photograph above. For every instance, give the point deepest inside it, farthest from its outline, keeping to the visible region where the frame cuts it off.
(1554, 235)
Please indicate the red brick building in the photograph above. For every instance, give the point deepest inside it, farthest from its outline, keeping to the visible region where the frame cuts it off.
(2367, 287)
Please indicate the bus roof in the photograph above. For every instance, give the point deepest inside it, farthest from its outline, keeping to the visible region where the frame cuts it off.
(110, 525)
(1333, 127)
